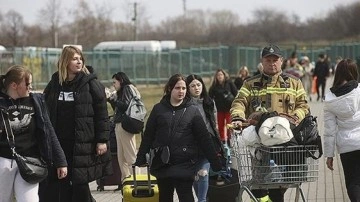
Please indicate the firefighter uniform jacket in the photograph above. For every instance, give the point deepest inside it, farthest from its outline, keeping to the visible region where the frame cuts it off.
(282, 93)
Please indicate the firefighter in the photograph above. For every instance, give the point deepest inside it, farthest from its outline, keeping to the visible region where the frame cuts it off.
(272, 90)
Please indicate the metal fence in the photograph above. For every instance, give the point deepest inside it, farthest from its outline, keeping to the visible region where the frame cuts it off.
(157, 67)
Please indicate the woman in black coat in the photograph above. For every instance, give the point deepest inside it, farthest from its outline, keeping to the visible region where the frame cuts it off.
(223, 91)
(78, 111)
(176, 122)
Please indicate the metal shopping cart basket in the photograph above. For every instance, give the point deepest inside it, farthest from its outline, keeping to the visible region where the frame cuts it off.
(264, 167)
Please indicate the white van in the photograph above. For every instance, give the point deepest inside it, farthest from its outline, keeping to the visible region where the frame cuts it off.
(152, 46)
(168, 45)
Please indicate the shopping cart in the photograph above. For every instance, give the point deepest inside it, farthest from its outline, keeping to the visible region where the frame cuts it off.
(273, 167)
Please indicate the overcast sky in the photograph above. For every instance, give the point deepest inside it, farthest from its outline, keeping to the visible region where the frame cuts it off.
(158, 10)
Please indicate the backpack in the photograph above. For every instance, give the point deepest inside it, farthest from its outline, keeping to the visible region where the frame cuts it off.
(134, 117)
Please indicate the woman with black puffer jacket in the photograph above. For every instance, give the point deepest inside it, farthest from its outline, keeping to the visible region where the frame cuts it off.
(78, 110)
(177, 123)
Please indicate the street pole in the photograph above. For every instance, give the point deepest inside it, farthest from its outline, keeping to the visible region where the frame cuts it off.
(135, 21)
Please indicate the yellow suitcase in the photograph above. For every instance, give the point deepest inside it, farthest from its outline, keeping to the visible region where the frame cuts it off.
(140, 188)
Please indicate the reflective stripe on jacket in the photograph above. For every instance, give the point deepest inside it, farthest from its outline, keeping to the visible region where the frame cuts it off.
(282, 93)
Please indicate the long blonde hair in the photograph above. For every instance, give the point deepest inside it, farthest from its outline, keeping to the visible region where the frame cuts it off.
(66, 56)
(243, 69)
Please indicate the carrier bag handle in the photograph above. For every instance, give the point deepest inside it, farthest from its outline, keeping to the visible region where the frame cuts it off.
(319, 145)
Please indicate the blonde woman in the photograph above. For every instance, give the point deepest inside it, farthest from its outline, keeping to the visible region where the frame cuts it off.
(78, 111)
(242, 75)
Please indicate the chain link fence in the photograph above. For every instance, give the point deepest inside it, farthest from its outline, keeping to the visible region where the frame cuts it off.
(156, 67)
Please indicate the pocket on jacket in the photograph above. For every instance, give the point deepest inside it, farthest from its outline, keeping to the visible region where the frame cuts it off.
(183, 154)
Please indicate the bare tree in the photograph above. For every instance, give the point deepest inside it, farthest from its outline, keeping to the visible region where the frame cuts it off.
(103, 15)
(35, 36)
(51, 16)
(272, 25)
(143, 24)
(222, 24)
(189, 29)
(13, 27)
(93, 23)
(342, 22)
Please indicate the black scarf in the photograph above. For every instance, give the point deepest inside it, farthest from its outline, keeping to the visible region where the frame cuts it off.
(345, 88)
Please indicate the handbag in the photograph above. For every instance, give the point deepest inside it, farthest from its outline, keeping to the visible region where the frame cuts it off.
(32, 170)
(228, 97)
(160, 156)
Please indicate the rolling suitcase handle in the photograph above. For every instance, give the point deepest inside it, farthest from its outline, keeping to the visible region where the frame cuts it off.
(135, 182)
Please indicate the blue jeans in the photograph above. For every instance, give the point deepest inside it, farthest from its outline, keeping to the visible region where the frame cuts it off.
(201, 182)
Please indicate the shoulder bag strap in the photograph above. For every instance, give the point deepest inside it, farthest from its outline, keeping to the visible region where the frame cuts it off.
(176, 125)
(8, 130)
(133, 91)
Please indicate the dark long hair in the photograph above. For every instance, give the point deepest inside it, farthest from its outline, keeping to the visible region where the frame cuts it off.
(122, 78)
(207, 102)
(346, 70)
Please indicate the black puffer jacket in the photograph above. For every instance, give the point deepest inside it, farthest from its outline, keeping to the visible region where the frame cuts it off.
(218, 93)
(183, 129)
(91, 126)
(50, 149)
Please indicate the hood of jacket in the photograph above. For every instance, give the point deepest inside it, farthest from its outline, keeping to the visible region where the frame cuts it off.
(345, 105)
(80, 79)
(186, 102)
